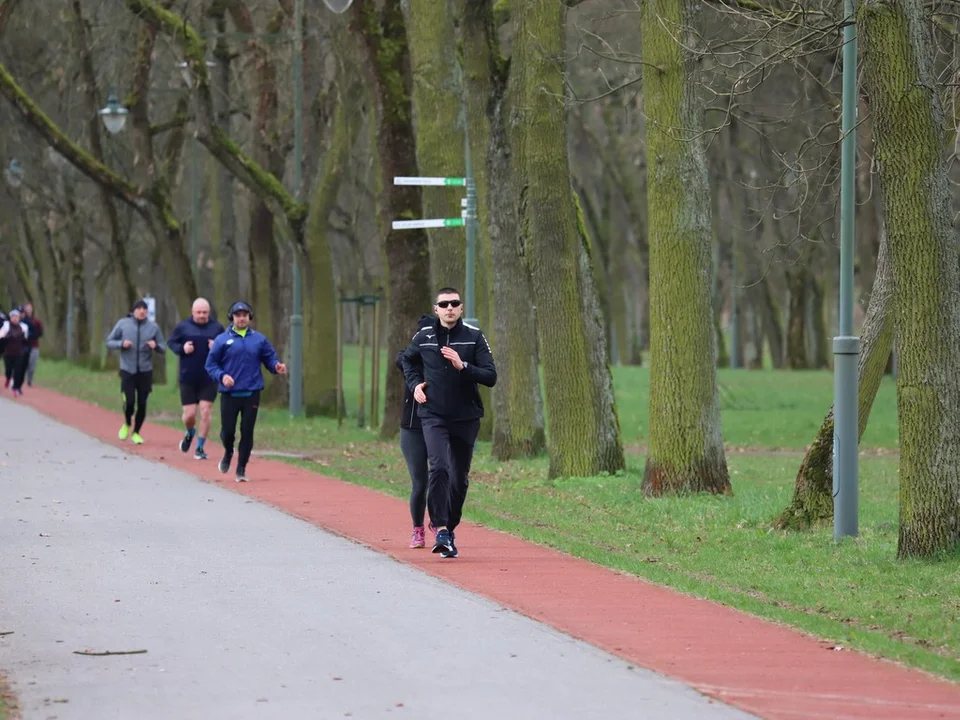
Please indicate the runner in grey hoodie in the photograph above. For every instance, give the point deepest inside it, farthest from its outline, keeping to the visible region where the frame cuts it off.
(137, 339)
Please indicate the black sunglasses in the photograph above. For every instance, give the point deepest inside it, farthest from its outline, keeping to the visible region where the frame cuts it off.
(449, 303)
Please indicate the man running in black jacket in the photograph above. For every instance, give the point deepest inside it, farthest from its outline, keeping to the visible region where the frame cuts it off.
(442, 367)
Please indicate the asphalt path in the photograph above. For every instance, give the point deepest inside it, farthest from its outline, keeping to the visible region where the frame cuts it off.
(246, 612)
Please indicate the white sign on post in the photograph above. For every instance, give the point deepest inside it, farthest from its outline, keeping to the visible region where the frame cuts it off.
(439, 223)
(429, 181)
(151, 308)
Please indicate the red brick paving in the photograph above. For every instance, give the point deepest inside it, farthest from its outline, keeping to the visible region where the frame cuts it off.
(756, 665)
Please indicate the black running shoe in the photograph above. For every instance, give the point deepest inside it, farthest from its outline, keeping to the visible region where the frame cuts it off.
(241, 474)
(452, 552)
(200, 454)
(444, 543)
(185, 443)
(224, 465)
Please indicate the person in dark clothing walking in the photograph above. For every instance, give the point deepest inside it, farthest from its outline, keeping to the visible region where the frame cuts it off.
(36, 332)
(453, 358)
(414, 451)
(191, 340)
(234, 362)
(16, 335)
(137, 338)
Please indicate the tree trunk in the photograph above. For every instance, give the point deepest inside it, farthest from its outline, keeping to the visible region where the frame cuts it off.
(117, 243)
(478, 82)
(227, 267)
(769, 322)
(518, 429)
(796, 316)
(384, 40)
(686, 446)
(264, 273)
(910, 143)
(438, 114)
(818, 326)
(599, 233)
(584, 428)
(320, 374)
(812, 502)
(74, 270)
(438, 104)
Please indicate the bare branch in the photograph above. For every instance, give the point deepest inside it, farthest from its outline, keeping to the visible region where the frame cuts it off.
(264, 184)
(6, 11)
(55, 137)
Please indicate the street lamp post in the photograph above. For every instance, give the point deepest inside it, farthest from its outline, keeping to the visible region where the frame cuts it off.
(114, 115)
(296, 317)
(14, 174)
(846, 346)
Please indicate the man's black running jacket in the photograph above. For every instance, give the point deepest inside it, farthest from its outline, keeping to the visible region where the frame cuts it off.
(451, 394)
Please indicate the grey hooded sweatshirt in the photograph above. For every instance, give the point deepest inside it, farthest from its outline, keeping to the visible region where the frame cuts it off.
(138, 357)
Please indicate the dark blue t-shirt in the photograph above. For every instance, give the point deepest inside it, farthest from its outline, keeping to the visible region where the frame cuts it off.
(192, 370)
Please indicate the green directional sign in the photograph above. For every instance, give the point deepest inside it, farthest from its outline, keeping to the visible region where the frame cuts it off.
(438, 223)
(461, 182)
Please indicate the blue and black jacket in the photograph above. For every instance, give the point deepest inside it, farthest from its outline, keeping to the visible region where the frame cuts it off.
(192, 370)
(240, 356)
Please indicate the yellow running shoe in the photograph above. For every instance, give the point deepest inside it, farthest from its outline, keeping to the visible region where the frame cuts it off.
(137, 440)
(124, 432)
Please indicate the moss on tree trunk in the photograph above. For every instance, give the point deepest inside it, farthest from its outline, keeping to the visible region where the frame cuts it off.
(812, 502)
(384, 41)
(438, 115)
(910, 142)
(320, 372)
(686, 447)
(584, 428)
(518, 427)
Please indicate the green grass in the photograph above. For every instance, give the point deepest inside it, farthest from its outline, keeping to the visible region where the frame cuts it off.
(8, 703)
(854, 593)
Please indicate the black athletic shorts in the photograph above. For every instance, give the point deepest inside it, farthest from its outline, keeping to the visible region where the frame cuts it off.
(132, 382)
(192, 394)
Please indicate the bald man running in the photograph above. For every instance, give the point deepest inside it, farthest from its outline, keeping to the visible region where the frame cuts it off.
(192, 340)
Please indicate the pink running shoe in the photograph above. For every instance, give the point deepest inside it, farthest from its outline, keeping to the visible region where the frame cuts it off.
(416, 539)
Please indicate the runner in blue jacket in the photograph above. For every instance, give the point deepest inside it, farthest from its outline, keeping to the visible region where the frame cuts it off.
(234, 362)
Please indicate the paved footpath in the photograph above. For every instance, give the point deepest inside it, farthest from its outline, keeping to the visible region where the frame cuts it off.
(759, 667)
(247, 612)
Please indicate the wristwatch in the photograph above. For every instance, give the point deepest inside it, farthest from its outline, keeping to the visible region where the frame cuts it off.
(464, 366)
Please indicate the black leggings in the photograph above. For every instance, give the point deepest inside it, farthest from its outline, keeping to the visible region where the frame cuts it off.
(414, 451)
(136, 388)
(246, 408)
(14, 367)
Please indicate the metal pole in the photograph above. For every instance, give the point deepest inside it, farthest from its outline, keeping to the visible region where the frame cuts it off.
(470, 222)
(846, 346)
(296, 318)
